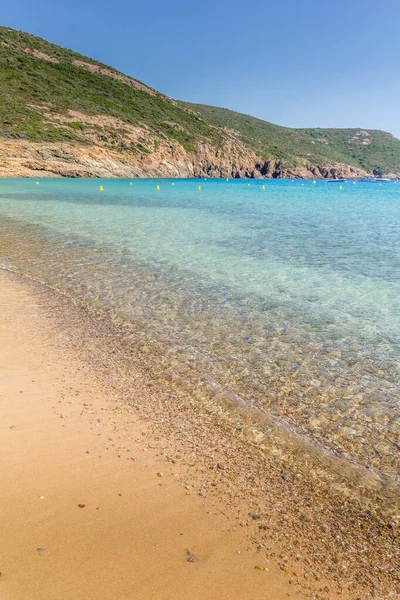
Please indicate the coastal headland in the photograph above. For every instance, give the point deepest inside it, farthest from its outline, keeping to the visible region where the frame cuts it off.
(67, 115)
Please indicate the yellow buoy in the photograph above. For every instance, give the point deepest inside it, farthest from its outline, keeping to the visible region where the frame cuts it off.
(205, 178)
(314, 182)
(340, 187)
(172, 183)
(248, 185)
(157, 187)
(199, 187)
(101, 188)
(37, 183)
(302, 184)
(130, 183)
(227, 179)
(263, 187)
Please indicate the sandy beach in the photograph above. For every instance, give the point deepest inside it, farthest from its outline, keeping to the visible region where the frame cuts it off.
(111, 488)
(89, 509)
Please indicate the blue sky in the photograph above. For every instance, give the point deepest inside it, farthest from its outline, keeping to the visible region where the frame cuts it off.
(300, 63)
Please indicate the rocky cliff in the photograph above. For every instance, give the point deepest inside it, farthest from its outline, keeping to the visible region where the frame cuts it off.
(30, 159)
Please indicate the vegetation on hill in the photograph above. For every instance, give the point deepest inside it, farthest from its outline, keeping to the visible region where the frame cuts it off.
(40, 81)
(369, 149)
(26, 80)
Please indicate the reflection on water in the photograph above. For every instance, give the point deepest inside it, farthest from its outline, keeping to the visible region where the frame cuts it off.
(287, 298)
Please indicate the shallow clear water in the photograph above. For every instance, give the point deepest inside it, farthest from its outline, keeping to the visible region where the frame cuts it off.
(286, 298)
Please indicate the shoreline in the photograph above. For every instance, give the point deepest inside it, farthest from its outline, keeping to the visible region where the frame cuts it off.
(280, 398)
(43, 174)
(89, 507)
(265, 499)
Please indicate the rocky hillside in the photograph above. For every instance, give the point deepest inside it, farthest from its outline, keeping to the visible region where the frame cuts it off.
(63, 114)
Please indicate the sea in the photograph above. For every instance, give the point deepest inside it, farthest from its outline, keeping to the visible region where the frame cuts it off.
(283, 295)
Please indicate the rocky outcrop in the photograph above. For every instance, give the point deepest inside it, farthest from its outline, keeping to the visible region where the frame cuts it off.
(25, 159)
(109, 147)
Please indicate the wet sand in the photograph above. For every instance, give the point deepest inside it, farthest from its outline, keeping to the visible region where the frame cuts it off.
(66, 443)
(163, 478)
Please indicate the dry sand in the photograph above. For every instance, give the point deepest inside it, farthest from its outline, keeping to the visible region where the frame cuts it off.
(63, 443)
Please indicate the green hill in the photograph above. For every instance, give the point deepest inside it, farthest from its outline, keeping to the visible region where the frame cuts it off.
(49, 74)
(51, 95)
(371, 150)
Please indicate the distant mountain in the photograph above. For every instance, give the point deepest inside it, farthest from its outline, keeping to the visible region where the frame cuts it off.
(63, 114)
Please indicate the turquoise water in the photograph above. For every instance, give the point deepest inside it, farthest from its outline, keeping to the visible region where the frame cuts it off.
(286, 298)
